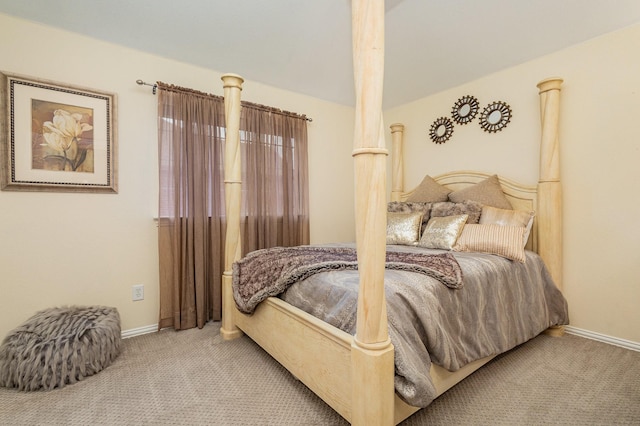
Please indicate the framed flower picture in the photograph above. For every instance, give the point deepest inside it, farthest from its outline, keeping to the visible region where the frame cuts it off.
(57, 137)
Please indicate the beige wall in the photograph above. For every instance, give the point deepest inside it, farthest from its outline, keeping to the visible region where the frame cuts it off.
(60, 249)
(600, 152)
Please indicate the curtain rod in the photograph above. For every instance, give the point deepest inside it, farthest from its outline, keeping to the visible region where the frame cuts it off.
(264, 107)
(143, 83)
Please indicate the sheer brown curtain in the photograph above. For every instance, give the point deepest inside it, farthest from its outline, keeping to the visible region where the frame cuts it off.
(191, 221)
(191, 206)
(275, 178)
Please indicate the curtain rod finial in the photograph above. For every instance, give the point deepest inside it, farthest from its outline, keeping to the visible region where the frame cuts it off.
(141, 83)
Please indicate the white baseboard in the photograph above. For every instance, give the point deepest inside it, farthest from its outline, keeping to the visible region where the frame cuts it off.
(125, 334)
(627, 344)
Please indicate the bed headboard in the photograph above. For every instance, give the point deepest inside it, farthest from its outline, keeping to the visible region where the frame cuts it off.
(545, 198)
(521, 197)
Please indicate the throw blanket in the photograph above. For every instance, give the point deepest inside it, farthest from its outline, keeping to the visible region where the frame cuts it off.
(269, 272)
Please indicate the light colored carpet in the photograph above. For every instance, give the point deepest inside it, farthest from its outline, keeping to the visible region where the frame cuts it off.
(193, 377)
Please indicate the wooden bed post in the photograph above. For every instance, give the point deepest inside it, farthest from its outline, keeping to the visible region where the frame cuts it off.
(372, 352)
(232, 190)
(397, 159)
(549, 214)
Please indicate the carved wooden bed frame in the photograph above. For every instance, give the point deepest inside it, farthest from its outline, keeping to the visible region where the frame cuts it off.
(355, 374)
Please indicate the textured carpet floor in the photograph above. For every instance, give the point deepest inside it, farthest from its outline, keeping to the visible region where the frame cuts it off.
(193, 377)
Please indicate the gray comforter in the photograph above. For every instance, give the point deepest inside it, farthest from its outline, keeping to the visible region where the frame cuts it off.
(501, 305)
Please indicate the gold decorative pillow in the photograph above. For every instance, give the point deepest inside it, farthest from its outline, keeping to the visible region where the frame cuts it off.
(505, 241)
(403, 228)
(494, 216)
(442, 232)
(429, 191)
(413, 207)
(488, 193)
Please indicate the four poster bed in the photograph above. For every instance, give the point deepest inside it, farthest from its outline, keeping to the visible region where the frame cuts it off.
(356, 372)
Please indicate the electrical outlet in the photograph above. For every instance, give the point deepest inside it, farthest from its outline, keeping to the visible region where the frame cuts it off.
(138, 292)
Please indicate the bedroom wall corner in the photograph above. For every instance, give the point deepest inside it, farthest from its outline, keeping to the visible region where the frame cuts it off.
(599, 151)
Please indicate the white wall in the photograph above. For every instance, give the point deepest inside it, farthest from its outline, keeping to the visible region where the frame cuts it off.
(600, 152)
(61, 249)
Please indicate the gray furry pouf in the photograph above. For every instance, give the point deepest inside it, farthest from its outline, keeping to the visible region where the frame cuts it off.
(59, 346)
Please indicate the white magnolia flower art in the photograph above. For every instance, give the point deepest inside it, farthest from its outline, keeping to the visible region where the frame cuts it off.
(63, 138)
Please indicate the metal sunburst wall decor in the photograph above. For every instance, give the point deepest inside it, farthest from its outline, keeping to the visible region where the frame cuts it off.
(441, 130)
(465, 109)
(495, 117)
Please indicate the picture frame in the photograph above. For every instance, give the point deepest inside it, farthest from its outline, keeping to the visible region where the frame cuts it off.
(57, 137)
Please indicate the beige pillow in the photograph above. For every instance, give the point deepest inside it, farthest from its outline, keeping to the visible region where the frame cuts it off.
(442, 232)
(487, 192)
(429, 191)
(493, 216)
(505, 241)
(403, 228)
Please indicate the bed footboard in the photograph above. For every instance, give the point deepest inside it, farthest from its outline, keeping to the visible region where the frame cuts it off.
(320, 355)
(316, 353)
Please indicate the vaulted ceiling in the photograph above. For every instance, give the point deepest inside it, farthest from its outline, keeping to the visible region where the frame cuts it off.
(305, 46)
